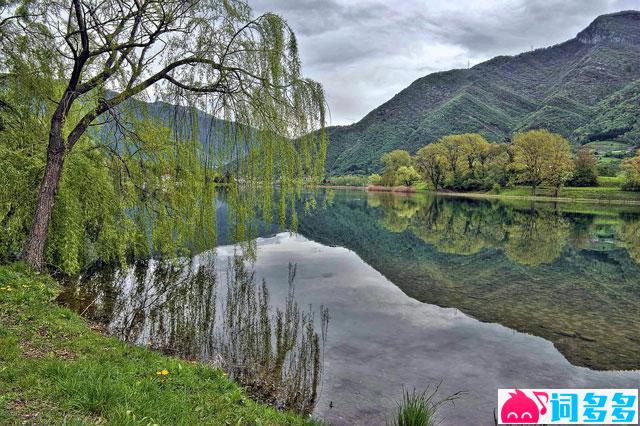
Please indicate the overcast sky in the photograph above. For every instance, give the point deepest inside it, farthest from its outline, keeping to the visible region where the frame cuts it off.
(365, 51)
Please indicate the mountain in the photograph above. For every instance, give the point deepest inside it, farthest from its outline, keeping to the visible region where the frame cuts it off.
(587, 89)
(211, 132)
(210, 129)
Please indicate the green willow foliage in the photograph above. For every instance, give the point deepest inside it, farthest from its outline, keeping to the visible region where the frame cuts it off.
(138, 194)
(141, 183)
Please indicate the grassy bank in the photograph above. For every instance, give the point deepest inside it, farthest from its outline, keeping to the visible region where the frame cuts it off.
(57, 369)
(608, 192)
(599, 194)
(567, 195)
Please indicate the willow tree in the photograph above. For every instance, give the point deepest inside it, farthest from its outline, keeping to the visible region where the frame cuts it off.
(209, 54)
(432, 164)
(530, 160)
(454, 152)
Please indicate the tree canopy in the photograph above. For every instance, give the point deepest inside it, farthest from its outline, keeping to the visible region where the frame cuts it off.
(470, 162)
(392, 162)
(88, 63)
(542, 156)
(586, 172)
(431, 164)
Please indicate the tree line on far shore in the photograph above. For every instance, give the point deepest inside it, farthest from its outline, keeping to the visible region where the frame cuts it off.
(468, 162)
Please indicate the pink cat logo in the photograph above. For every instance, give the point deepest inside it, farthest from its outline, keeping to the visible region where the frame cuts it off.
(519, 408)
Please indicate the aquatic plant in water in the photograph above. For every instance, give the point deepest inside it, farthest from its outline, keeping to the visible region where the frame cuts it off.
(420, 408)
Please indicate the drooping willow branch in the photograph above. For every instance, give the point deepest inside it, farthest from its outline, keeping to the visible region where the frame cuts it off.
(212, 53)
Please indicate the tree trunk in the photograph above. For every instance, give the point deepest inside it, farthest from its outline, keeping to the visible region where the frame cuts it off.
(34, 250)
(533, 189)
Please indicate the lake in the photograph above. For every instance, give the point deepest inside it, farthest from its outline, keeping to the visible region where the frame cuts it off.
(422, 289)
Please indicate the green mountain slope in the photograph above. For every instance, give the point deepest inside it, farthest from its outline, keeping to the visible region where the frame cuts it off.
(586, 88)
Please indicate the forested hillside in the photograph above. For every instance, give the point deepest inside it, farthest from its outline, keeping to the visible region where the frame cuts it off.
(586, 89)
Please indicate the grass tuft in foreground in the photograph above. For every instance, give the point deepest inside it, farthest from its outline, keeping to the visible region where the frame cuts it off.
(54, 369)
(420, 408)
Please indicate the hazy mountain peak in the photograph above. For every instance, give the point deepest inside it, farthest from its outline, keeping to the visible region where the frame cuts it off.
(620, 27)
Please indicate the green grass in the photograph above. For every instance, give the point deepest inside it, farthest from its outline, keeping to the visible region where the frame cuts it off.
(611, 181)
(414, 410)
(54, 369)
(609, 160)
(421, 408)
(609, 190)
(600, 193)
(607, 146)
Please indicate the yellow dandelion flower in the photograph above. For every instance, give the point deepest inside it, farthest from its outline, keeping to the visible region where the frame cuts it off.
(158, 372)
(165, 372)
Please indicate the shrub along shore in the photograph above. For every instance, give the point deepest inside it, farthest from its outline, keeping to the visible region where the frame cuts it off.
(55, 368)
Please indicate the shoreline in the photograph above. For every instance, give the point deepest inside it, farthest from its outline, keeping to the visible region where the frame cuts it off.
(542, 198)
(482, 195)
(54, 358)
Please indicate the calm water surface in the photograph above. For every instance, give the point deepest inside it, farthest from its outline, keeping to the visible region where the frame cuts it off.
(421, 289)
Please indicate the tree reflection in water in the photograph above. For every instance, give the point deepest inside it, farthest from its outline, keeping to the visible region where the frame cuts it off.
(177, 307)
(565, 272)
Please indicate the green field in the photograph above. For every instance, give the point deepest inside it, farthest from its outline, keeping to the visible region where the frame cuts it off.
(54, 369)
(602, 147)
(610, 181)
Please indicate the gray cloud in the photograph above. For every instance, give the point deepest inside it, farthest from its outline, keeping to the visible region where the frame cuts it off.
(492, 31)
(365, 51)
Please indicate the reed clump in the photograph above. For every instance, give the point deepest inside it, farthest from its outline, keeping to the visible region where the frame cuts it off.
(420, 408)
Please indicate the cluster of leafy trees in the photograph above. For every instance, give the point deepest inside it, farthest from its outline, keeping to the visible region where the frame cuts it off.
(88, 176)
(399, 169)
(631, 170)
(346, 180)
(470, 162)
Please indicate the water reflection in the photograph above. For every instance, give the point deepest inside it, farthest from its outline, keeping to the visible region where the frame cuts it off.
(169, 306)
(172, 306)
(381, 340)
(531, 235)
(568, 273)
